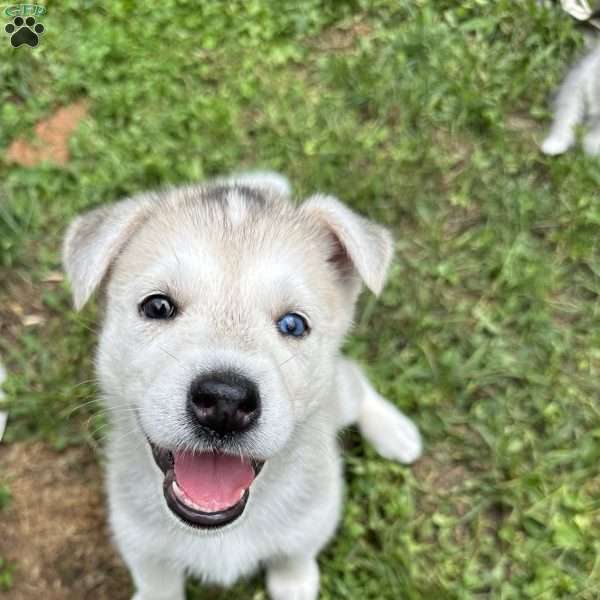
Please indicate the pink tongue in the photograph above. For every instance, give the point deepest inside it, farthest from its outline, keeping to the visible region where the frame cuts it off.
(213, 481)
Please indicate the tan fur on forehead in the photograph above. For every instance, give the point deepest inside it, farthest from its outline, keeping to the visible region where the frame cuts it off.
(231, 225)
(237, 216)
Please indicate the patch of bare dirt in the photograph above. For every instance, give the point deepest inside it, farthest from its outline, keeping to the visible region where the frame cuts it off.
(439, 476)
(54, 530)
(460, 220)
(51, 139)
(456, 152)
(522, 122)
(342, 36)
(442, 480)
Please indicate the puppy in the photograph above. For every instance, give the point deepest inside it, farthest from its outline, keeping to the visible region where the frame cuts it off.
(577, 102)
(219, 363)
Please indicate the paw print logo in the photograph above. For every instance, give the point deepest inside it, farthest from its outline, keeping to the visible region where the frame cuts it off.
(24, 31)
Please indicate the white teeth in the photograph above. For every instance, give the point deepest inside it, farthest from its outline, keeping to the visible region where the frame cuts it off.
(183, 497)
(178, 491)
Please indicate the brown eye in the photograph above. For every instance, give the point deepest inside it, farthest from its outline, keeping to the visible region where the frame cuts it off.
(158, 306)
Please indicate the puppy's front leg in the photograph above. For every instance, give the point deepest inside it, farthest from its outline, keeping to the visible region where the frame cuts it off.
(156, 580)
(293, 578)
(391, 432)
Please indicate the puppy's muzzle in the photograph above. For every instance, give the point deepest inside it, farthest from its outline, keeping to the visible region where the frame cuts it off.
(210, 488)
(223, 402)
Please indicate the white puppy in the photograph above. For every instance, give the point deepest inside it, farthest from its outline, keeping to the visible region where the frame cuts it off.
(219, 362)
(577, 102)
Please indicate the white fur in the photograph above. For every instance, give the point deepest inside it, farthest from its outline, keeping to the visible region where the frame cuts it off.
(265, 180)
(234, 264)
(578, 100)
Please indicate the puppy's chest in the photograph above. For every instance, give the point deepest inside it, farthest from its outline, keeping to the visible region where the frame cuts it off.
(220, 560)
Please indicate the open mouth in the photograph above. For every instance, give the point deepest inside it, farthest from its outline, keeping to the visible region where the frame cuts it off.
(206, 489)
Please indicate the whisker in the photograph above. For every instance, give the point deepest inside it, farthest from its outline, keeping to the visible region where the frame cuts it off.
(288, 359)
(167, 352)
(80, 406)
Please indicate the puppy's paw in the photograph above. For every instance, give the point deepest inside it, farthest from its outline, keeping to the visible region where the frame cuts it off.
(556, 144)
(393, 434)
(591, 144)
(293, 580)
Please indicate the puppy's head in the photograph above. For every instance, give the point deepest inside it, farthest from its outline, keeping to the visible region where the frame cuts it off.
(225, 308)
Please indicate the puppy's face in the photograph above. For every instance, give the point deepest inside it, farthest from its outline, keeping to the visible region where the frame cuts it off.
(225, 309)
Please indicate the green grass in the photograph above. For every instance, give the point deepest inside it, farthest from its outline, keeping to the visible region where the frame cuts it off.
(428, 119)
(6, 575)
(6, 569)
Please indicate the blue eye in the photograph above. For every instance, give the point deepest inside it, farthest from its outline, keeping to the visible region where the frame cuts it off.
(292, 324)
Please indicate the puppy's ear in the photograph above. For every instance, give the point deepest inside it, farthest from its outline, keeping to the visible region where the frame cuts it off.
(94, 240)
(359, 247)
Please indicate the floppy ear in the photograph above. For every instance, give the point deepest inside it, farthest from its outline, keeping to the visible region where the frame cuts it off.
(94, 240)
(359, 246)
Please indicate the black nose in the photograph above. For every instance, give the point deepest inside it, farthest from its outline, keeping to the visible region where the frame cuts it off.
(224, 402)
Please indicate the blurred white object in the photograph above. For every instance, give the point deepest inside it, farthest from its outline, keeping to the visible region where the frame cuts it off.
(580, 9)
(3, 413)
(577, 102)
